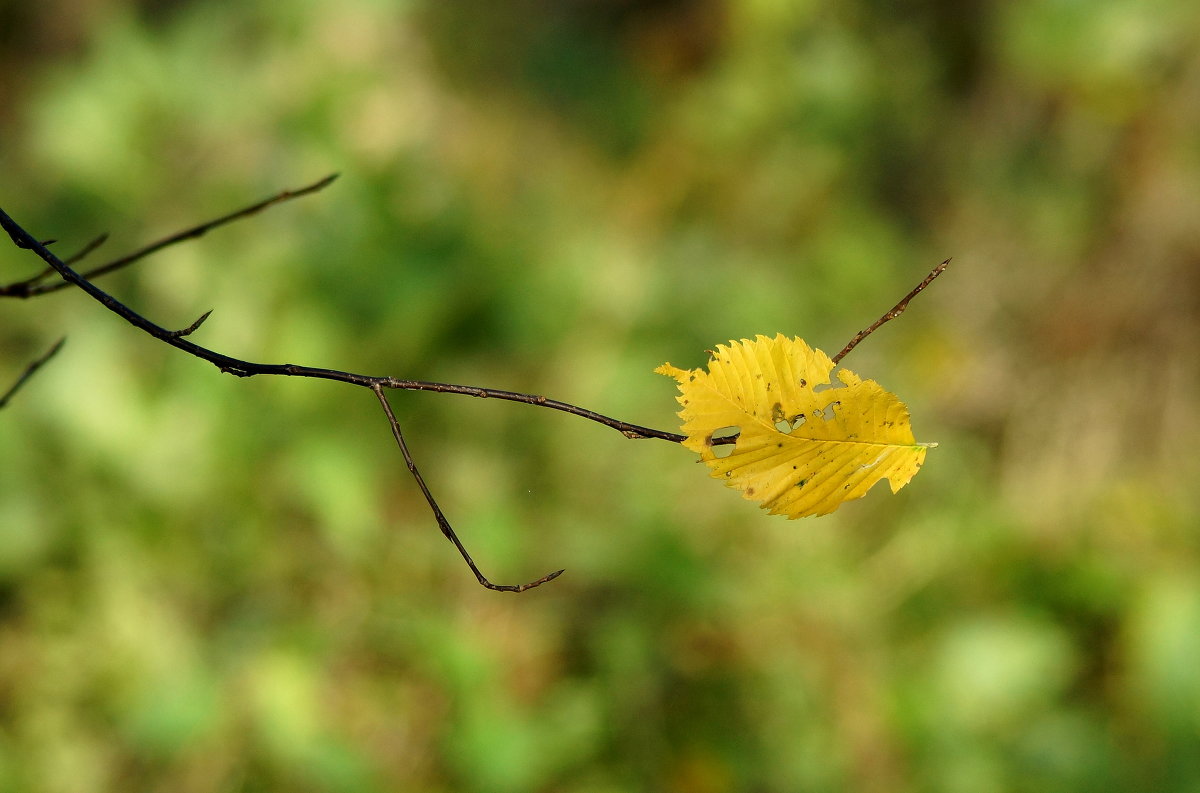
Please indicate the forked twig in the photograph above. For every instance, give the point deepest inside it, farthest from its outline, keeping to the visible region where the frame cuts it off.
(22, 239)
(32, 287)
(29, 370)
(21, 288)
(241, 368)
(442, 522)
(896, 311)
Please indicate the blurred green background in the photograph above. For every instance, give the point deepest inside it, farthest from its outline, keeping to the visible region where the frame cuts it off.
(216, 584)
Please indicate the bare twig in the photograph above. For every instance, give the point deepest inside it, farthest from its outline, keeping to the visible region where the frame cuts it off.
(78, 256)
(896, 311)
(31, 287)
(29, 370)
(241, 368)
(22, 239)
(442, 522)
(49, 271)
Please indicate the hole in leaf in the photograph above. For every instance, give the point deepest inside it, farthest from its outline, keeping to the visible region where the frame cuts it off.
(785, 424)
(725, 449)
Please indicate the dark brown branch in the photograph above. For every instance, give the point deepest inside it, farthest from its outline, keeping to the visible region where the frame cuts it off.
(31, 287)
(896, 311)
(442, 522)
(22, 239)
(29, 371)
(242, 368)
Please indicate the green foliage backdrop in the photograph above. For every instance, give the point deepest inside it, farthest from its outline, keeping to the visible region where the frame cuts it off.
(212, 584)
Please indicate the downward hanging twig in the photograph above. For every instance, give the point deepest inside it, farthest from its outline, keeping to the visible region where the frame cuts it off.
(442, 522)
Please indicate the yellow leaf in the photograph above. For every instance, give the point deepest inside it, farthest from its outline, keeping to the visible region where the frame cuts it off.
(800, 451)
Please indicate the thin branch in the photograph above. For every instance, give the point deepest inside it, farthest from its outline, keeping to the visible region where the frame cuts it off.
(242, 368)
(31, 287)
(29, 371)
(22, 239)
(84, 251)
(442, 522)
(896, 311)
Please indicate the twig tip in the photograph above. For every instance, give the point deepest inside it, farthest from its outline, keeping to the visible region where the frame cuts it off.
(190, 329)
(543, 580)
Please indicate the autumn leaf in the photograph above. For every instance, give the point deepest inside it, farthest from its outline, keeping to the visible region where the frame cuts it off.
(801, 449)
